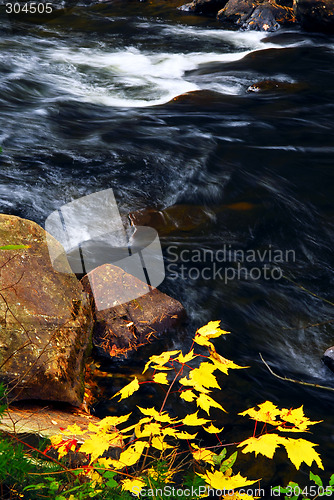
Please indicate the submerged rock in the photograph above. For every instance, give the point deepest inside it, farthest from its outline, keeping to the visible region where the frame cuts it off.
(45, 318)
(315, 15)
(274, 85)
(328, 358)
(121, 329)
(173, 219)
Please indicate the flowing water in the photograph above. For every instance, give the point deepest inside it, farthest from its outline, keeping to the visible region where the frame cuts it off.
(89, 101)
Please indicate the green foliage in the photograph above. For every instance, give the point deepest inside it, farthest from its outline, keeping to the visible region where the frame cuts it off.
(293, 491)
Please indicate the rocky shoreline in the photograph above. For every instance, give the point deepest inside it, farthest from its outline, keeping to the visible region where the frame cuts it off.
(267, 15)
(48, 322)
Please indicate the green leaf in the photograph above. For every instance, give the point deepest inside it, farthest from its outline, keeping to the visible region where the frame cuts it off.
(331, 480)
(111, 483)
(315, 478)
(228, 464)
(217, 459)
(14, 247)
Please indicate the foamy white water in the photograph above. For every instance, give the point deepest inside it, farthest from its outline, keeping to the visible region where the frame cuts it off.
(132, 78)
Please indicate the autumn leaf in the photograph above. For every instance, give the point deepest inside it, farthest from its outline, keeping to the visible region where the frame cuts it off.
(160, 359)
(186, 435)
(160, 417)
(212, 429)
(187, 395)
(188, 357)
(151, 429)
(131, 455)
(223, 364)
(203, 454)
(206, 402)
(301, 450)
(194, 420)
(128, 389)
(219, 481)
(98, 444)
(158, 443)
(108, 423)
(160, 378)
(169, 431)
(297, 418)
(267, 413)
(201, 378)
(265, 444)
(211, 330)
(133, 485)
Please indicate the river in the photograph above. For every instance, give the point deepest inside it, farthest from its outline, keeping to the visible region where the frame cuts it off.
(89, 101)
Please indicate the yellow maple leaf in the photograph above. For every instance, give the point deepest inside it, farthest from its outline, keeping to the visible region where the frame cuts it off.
(267, 413)
(98, 444)
(193, 420)
(151, 429)
(131, 455)
(265, 444)
(211, 330)
(158, 443)
(219, 481)
(160, 417)
(186, 435)
(301, 450)
(212, 429)
(223, 364)
(187, 357)
(187, 395)
(169, 431)
(206, 402)
(297, 418)
(160, 378)
(108, 423)
(128, 389)
(160, 359)
(203, 454)
(201, 378)
(133, 485)
(203, 341)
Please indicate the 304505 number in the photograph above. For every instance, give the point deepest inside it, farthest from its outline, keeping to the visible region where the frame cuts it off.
(29, 8)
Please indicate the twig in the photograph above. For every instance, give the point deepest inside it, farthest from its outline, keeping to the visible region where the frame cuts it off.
(286, 379)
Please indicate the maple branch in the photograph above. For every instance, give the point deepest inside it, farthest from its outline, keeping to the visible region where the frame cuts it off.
(286, 379)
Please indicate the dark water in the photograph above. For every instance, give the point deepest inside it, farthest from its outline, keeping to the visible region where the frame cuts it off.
(86, 105)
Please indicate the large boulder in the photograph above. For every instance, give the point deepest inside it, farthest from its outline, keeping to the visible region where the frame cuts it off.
(269, 16)
(121, 327)
(315, 15)
(45, 317)
(257, 15)
(237, 11)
